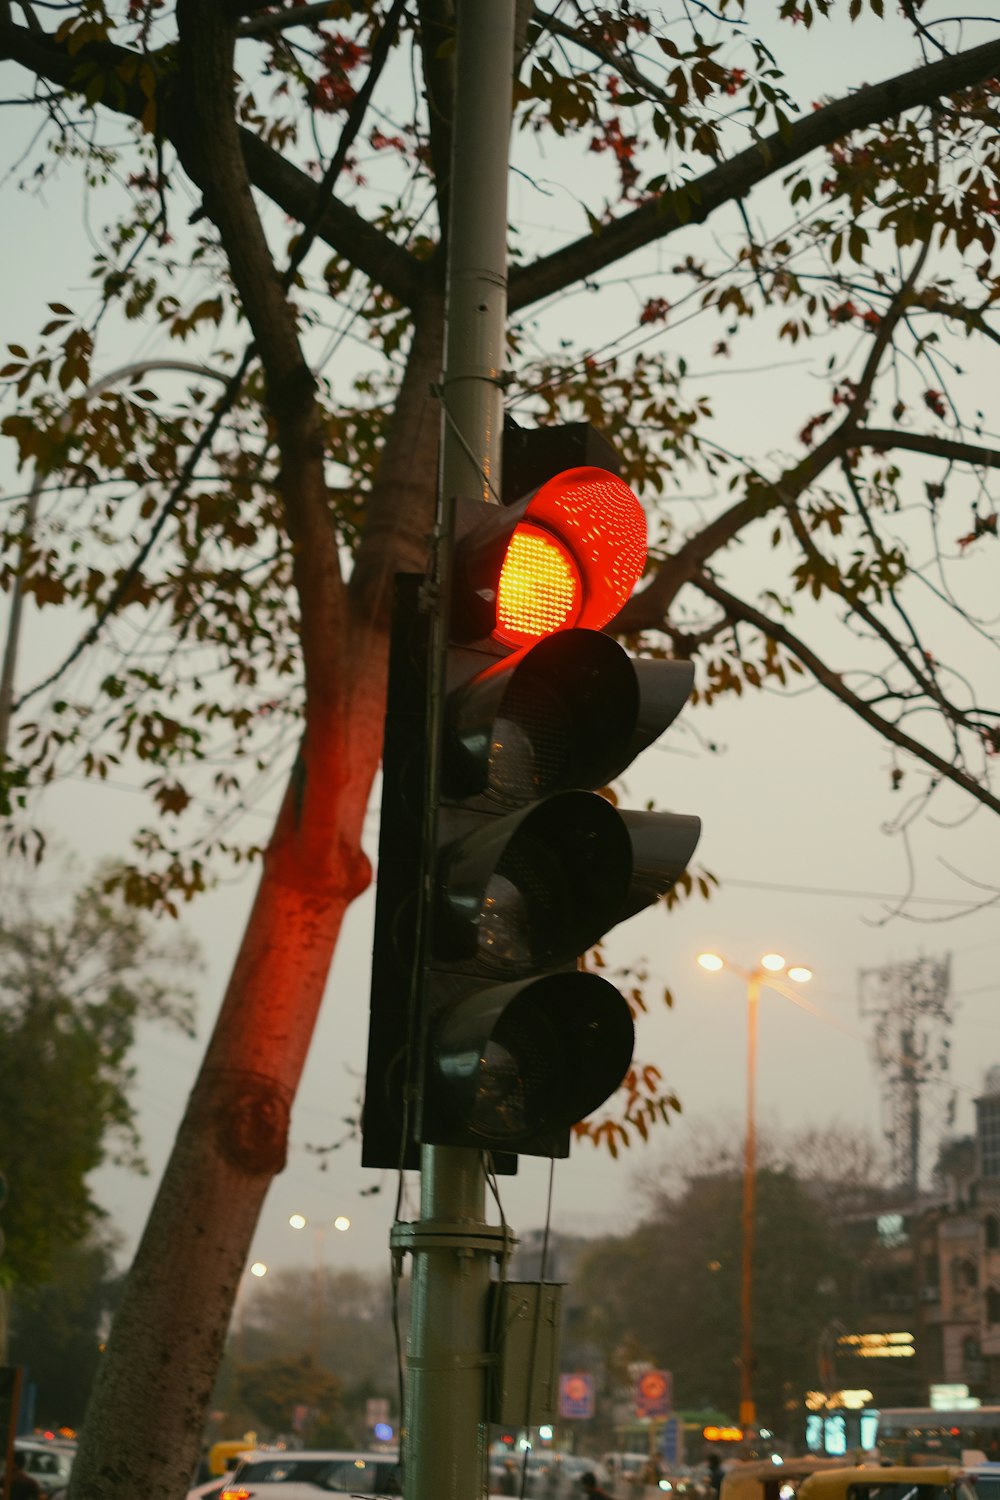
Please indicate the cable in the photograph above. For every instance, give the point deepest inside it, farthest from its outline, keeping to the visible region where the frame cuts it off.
(819, 890)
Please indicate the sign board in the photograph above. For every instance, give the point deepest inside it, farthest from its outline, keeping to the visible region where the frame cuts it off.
(670, 1442)
(376, 1410)
(576, 1395)
(654, 1394)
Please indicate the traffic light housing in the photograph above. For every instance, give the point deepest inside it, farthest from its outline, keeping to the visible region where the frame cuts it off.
(500, 863)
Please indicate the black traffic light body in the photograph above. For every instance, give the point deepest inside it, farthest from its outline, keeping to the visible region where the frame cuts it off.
(499, 863)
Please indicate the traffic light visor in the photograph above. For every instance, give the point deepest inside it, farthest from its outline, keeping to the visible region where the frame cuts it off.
(568, 555)
(600, 523)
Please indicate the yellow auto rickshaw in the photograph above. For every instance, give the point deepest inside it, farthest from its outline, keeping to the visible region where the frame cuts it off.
(882, 1482)
(763, 1479)
(222, 1456)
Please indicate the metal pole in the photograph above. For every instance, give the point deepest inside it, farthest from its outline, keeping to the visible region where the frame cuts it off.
(748, 1409)
(452, 1245)
(477, 250)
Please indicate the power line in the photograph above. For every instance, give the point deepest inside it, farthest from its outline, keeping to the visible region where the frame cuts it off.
(821, 890)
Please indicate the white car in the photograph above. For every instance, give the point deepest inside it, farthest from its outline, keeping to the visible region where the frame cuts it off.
(48, 1463)
(309, 1474)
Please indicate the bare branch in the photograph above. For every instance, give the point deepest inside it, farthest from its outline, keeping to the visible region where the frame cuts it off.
(273, 21)
(733, 179)
(881, 439)
(738, 609)
(341, 227)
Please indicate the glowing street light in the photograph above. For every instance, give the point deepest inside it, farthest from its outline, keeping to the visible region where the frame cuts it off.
(341, 1223)
(768, 969)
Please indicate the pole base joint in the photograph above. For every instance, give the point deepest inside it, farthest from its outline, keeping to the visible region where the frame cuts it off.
(497, 1240)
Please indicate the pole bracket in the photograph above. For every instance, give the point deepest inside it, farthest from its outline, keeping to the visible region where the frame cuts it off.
(497, 1240)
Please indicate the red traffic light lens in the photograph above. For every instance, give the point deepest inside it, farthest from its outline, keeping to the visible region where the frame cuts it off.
(574, 559)
(540, 590)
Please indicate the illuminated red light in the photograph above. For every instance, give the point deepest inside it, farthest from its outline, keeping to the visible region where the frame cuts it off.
(574, 559)
(540, 590)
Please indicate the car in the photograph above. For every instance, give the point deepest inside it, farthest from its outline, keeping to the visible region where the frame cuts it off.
(49, 1463)
(307, 1474)
(211, 1489)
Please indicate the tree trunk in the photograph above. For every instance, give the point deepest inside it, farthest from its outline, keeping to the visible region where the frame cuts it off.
(170, 1329)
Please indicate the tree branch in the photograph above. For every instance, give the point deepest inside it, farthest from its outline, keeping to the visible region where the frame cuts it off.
(210, 149)
(272, 21)
(341, 227)
(437, 27)
(734, 178)
(833, 682)
(883, 438)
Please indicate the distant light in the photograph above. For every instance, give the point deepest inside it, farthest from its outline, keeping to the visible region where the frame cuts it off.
(297, 1221)
(773, 961)
(665, 1484)
(545, 1433)
(712, 962)
(786, 1492)
(258, 1268)
(341, 1222)
(383, 1432)
(799, 974)
(776, 1458)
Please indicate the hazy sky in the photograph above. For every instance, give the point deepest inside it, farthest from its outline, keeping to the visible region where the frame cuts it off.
(795, 806)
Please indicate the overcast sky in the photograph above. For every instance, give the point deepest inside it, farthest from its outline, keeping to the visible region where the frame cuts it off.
(796, 803)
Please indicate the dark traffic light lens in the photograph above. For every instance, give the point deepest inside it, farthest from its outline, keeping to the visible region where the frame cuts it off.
(534, 890)
(518, 1059)
(561, 714)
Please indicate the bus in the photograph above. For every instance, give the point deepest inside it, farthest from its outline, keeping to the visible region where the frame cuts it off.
(921, 1435)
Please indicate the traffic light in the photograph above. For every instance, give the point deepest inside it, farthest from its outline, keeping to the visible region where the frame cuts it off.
(500, 863)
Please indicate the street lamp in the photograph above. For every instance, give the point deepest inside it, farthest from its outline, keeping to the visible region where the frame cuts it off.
(257, 1269)
(768, 970)
(341, 1223)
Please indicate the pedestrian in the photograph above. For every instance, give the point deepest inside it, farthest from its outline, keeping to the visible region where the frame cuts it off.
(591, 1488)
(22, 1486)
(714, 1473)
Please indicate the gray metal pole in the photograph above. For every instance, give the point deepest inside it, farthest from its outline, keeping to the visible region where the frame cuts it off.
(477, 250)
(452, 1245)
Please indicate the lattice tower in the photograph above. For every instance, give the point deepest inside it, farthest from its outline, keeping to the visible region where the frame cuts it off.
(911, 1010)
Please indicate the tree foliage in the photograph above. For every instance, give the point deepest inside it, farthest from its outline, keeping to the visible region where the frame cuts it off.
(290, 1393)
(345, 1320)
(74, 984)
(58, 1329)
(231, 556)
(671, 1288)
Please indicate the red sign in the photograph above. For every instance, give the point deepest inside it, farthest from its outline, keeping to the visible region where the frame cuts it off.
(576, 1395)
(654, 1394)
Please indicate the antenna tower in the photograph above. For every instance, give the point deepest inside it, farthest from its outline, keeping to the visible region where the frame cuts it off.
(911, 1009)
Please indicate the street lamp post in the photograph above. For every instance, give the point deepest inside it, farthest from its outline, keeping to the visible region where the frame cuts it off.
(341, 1223)
(768, 970)
(257, 1270)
